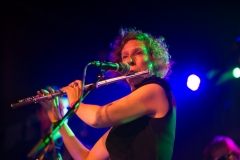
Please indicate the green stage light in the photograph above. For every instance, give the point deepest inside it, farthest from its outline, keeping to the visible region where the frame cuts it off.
(236, 72)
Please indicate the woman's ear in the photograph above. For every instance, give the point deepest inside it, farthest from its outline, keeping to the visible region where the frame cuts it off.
(151, 55)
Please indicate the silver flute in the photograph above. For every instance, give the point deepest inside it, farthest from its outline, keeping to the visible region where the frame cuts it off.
(36, 99)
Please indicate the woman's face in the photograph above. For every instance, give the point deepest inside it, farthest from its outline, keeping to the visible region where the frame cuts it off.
(220, 152)
(136, 55)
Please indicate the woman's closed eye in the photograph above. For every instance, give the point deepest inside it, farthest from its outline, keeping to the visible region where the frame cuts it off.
(134, 54)
(124, 57)
(138, 53)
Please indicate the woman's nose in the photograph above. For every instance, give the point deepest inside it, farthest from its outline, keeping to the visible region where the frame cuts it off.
(131, 62)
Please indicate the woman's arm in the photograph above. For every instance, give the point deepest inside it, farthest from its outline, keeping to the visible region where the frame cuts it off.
(147, 100)
(78, 151)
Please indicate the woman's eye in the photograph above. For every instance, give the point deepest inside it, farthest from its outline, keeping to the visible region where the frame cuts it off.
(139, 53)
(124, 57)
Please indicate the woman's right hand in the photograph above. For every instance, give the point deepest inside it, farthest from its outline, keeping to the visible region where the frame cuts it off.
(53, 107)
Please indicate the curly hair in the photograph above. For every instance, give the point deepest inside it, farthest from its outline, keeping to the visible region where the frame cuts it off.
(156, 46)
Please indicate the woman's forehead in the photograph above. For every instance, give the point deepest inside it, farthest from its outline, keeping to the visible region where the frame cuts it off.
(133, 45)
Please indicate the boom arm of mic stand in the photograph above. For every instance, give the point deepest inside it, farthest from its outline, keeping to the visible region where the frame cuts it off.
(43, 143)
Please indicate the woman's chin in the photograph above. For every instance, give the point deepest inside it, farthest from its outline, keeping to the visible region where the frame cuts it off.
(134, 81)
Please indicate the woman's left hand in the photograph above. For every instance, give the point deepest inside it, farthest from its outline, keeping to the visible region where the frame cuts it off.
(74, 91)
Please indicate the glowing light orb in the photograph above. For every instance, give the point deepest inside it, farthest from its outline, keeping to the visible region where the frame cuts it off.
(193, 82)
(236, 72)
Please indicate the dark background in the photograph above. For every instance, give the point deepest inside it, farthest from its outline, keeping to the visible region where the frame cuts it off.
(49, 43)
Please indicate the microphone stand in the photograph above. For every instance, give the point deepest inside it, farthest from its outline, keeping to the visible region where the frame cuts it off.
(40, 148)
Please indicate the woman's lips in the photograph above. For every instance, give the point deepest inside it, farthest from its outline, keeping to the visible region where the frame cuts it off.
(131, 72)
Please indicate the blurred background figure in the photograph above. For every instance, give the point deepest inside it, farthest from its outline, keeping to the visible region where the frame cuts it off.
(53, 149)
(26, 135)
(56, 149)
(222, 148)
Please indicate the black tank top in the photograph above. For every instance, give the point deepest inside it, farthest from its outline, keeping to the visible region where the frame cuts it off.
(145, 138)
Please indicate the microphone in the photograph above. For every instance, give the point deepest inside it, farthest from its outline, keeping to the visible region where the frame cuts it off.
(122, 68)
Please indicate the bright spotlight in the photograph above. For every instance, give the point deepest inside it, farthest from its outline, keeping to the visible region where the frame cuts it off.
(236, 72)
(65, 102)
(193, 82)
